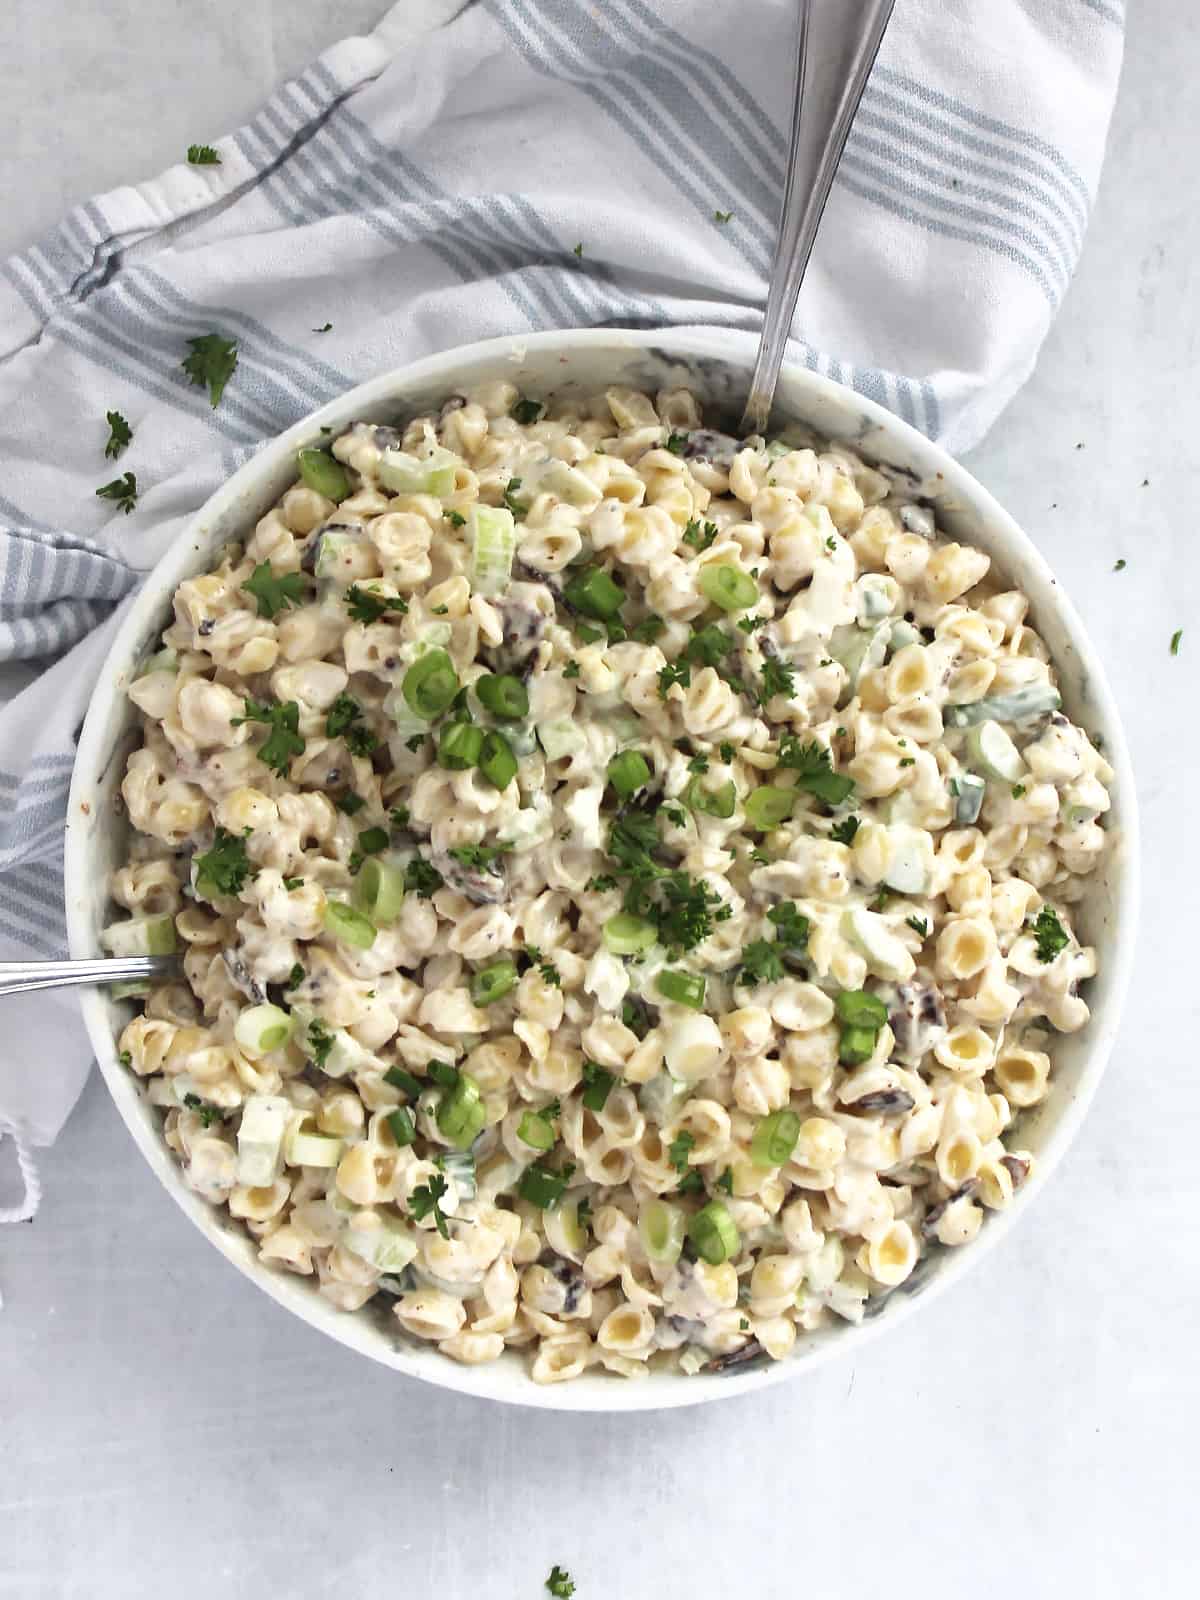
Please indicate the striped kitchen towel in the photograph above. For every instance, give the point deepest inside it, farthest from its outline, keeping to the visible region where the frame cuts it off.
(460, 173)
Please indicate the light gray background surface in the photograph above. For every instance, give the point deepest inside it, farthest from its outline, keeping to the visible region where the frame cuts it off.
(166, 1430)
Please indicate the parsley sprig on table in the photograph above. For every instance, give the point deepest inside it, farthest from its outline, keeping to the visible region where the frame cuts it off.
(284, 740)
(119, 434)
(211, 363)
(559, 1582)
(203, 155)
(123, 490)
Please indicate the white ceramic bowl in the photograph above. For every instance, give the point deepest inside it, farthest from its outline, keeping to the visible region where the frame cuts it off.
(717, 366)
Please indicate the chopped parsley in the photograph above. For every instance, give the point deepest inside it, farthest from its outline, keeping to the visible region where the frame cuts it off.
(415, 742)
(370, 842)
(119, 434)
(225, 868)
(725, 1181)
(440, 611)
(722, 216)
(919, 925)
(752, 624)
(1052, 938)
(204, 1109)
(526, 411)
(211, 363)
(1018, 789)
(478, 857)
(123, 490)
(726, 751)
(1120, 566)
(688, 911)
(647, 630)
(368, 605)
(1175, 637)
(517, 507)
(578, 251)
(271, 594)
(549, 972)
(325, 328)
(790, 927)
(294, 978)
(843, 832)
(559, 1582)
(202, 155)
(698, 764)
(349, 802)
(777, 678)
(675, 443)
(455, 519)
(602, 882)
(679, 1149)
(699, 534)
(342, 713)
(426, 1199)
(708, 646)
(422, 878)
(908, 761)
(284, 740)
(320, 1041)
(813, 765)
(571, 670)
(675, 672)
(292, 884)
(125, 1058)
(399, 817)
(761, 963)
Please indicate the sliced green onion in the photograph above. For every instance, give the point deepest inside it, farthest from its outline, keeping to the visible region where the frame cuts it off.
(858, 1009)
(541, 1187)
(774, 1139)
(430, 684)
(404, 1081)
(536, 1130)
(443, 1074)
(685, 988)
(493, 982)
(717, 802)
(322, 473)
(713, 1233)
(461, 1114)
(627, 935)
(496, 760)
(372, 840)
(598, 1084)
(628, 773)
(349, 925)
(379, 891)
(403, 1128)
(768, 806)
(857, 1045)
(261, 1029)
(493, 545)
(460, 746)
(661, 1229)
(595, 594)
(504, 696)
(727, 586)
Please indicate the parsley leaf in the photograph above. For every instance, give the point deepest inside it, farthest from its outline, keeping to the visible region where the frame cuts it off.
(292, 884)
(119, 434)
(211, 363)
(675, 443)
(631, 839)
(455, 519)
(368, 605)
(294, 978)
(123, 490)
(699, 535)
(791, 928)
(722, 216)
(752, 624)
(478, 856)
(422, 878)
(814, 766)
(686, 916)
(1121, 565)
(559, 1582)
(761, 963)
(526, 411)
(320, 1041)
(327, 328)
(571, 670)
(1052, 938)
(224, 868)
(204, 1109)
(725, 1181)
(708, 646)
(399, 817)
(843, 832)
(1175, 637)
(415, 742)
(726, 751)
(349, 803)
(647, 630)
(918, 925)
(284, 740)
(273, 594)
(341, 714)
(675, 672)
(202, 155)
(777, 678)
(678, 1150)
(698, 764)
(601, 882)
(517, 507)
(578, 251)
(427, 1198)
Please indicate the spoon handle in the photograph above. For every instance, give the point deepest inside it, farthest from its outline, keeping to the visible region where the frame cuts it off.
(839, 40)
(18, 977)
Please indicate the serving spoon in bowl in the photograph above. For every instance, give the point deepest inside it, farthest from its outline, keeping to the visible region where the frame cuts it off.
(838, 43)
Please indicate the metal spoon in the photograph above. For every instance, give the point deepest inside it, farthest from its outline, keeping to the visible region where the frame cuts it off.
(18, 977)
(839, 40)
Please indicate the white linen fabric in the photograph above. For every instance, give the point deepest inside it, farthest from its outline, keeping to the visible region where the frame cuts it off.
(461, 173)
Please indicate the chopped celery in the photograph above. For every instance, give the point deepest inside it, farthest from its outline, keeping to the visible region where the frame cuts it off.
(321, 472)
(305, 1147)
(869, 934)
(141, 936)
(388, 1245)
(164, 661)
(993, 753)
(967, 792)
(493, 544)
(332, 548)
(1022, 705)
(130, 991)
(433, 474)
(265, 1118)
(562, 738)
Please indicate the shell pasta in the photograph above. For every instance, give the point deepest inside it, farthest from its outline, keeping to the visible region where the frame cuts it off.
(624, 880)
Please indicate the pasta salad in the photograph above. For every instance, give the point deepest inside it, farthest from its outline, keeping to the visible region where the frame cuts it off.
(623, 876)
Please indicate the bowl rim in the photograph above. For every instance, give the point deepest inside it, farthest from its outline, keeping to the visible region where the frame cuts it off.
(495, 1381)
